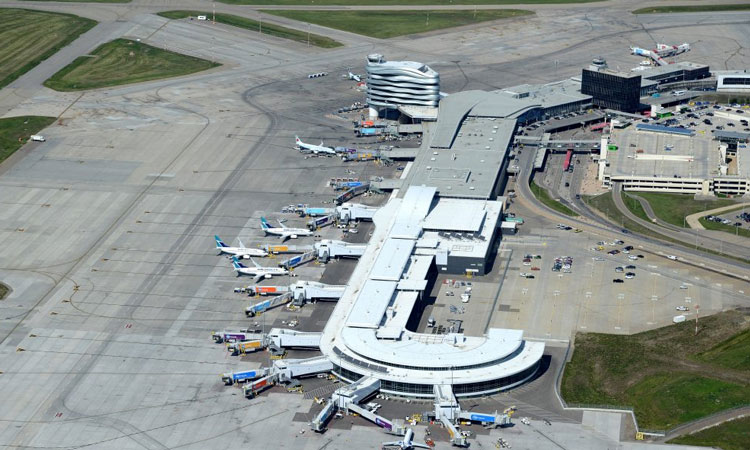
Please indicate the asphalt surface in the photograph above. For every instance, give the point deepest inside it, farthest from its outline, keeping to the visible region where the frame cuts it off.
(107, 227)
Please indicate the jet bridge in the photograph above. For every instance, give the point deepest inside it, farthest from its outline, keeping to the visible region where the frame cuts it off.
(265, 305)
(305, 291)
(284, 370)
(243, 376)
(327, 249)
(447, 410)
(351, 193)
(285, 338)
(348, 398)
(355, 212)
(276, 249)
(298, 260)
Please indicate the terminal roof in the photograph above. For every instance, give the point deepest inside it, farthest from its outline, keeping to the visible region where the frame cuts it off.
(456, 215)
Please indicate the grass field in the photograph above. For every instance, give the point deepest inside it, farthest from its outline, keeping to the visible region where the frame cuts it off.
(673, 208)
(401, 2)
(81, 1)
(388, 24)
(691, 8)
(543, 196)
(254, 25)
(30, 37)
(733, 435)
(606, 204)
(3, 291)
(734, 353)
(123, 61)
(667, 375)
(15, 131)
(635, 207)
(718, 226)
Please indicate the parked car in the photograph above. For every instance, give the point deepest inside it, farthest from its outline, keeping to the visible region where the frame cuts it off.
(617, 280)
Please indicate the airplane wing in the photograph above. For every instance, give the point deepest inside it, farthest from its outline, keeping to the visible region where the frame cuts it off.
(392, 444)
(281, 224)
(240, 242)
(258, 277)
(255, 263)
(284, 236)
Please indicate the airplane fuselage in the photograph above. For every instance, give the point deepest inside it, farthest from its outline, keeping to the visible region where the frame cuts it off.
(242, 252)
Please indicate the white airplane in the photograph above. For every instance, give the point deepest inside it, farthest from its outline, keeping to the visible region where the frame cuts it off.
(407, 443)
(283, 232)
(241, 251)
(355, 77)
(258, 272)
(311, 148)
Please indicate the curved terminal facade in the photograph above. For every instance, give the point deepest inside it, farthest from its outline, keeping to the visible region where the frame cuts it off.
(396, 83)
(367, 333)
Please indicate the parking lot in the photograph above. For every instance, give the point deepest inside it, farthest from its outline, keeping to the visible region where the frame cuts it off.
(553, 304)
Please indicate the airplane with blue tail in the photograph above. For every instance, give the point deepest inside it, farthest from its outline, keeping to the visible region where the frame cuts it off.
(241, 251)
(283, 232)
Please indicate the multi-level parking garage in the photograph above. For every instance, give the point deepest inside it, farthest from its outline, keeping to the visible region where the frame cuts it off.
(395, 83)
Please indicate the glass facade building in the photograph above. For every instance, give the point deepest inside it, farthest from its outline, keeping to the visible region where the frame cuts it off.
(613, 90)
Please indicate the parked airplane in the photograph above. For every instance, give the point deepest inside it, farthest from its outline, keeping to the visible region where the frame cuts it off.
(258, 272)
(311, 148)
(241, 251)
(407, 443)
(283, 232)
(355, 77)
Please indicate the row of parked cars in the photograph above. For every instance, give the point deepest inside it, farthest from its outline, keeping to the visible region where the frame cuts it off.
(743, 216)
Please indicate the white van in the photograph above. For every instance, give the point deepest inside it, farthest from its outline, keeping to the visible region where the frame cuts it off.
(37, 138)
(202, 18)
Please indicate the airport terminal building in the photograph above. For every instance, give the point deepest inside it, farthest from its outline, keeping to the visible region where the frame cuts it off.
(368, 335)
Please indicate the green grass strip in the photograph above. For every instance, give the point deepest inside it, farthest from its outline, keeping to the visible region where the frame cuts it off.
(123, 61)
(15, 131)
(673, 208)
(692, 8)
(30, 37)
(388, 24)
(732, 435)
(255, 25)
(401, 2)
(543, 196)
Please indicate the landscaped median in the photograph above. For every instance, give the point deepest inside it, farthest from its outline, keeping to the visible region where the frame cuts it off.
(668, 375)
(30, 37)
(123, 61)
(692, 8)
(543, 196)
(402, 2)
(387, 24)
(255, 25)
(732, 435)
(15, 131)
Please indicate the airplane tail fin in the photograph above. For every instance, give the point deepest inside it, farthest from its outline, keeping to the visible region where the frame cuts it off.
(264, 224)
(236, 264)
(219, 242)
